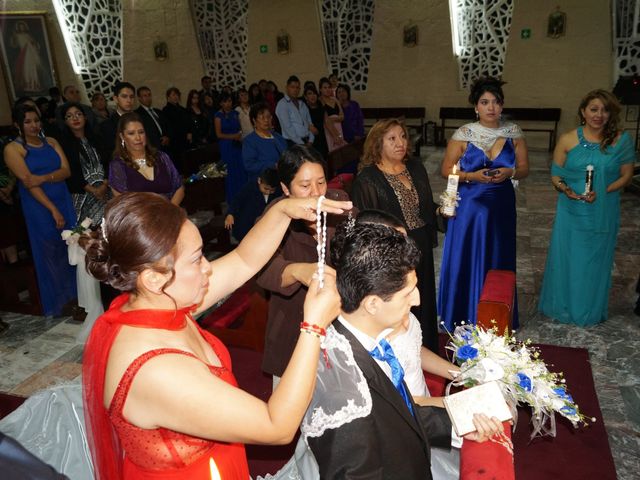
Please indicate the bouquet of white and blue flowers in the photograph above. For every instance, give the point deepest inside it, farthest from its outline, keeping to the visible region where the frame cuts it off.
(522, 375)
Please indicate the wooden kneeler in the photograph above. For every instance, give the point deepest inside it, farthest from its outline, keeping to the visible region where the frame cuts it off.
(495, 308)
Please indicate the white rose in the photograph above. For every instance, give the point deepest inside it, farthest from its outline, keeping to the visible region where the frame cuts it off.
(86, 223)
(492, 370)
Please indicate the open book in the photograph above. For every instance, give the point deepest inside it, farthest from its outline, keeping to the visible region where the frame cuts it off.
(486, 398)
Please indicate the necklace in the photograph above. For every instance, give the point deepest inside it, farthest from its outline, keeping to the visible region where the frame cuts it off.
(140, 162)
(321, 232)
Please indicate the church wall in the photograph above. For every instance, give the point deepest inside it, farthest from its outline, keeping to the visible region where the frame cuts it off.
(541, 72)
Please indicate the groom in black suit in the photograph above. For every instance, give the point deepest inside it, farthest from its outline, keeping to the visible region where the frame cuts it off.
(379, 431)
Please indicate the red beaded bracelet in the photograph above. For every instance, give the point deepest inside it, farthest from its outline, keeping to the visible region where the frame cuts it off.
(318, 330)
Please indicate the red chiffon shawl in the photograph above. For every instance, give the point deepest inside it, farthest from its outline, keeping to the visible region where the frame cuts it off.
(107, 453)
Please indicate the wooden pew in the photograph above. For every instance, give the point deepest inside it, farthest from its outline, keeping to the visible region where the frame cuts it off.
(536, 116)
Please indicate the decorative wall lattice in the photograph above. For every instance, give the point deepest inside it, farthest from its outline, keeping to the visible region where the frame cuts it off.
(347, 28)
(480, 36)
(92, 30)
(626, 37)
(222, 29)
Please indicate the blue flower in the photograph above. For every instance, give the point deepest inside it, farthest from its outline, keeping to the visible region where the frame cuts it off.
(525, 382)
(562, 393)
(568, 411)
(466, 352)
(467, 336)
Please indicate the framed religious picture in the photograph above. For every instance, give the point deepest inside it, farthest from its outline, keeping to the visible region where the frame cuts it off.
(27, 61)
(410, 36)
(283, 43)
(557, 24)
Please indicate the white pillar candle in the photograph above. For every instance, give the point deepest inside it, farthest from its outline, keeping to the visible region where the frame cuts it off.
(452, 190)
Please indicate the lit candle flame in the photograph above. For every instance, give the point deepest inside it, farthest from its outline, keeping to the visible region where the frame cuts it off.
(455, 169)
(215, 474)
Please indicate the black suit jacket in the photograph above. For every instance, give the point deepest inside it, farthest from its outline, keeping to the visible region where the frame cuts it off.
(107, 132)
(150, 127)
(387, 444)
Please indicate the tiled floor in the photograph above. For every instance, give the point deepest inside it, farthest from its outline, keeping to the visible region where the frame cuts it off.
(37, 352)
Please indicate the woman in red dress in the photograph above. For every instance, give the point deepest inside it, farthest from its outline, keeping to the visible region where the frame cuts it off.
(160, 398)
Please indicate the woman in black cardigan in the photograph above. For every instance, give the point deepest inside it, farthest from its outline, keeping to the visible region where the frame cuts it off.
(400, 186)
(88, 182)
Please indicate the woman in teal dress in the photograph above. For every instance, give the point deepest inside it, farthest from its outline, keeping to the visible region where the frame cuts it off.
(577, 275)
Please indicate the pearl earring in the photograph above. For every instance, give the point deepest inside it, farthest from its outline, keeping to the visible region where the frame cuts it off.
(477, 115)
(122, 142)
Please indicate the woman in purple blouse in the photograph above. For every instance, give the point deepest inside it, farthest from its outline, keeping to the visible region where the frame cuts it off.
(138, 167)
(353, 123)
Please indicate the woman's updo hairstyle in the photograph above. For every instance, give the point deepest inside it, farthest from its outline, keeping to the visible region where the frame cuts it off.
(139, 231)
(486, 84)
(293, 158)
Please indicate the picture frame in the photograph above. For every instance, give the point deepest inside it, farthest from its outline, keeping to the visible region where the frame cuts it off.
(632, 113)
(410, 36)
(283, 43)
(26, 55)
(556, 24)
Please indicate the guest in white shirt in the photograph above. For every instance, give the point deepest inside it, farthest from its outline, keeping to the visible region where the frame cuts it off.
(243, 110)
(294, 117)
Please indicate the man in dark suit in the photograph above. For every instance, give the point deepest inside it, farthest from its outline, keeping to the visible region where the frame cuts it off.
(124, 95)
(382, 433)
(155, 125)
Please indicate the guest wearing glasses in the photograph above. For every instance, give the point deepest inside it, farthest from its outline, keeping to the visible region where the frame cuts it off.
(88, 183)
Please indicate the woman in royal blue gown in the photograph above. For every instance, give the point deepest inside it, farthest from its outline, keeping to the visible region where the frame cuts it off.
(487, 154)
(577, 276)
(41, 167)
(229, 133)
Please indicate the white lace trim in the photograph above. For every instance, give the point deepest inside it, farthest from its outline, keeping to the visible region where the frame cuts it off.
(484, 137)
(342, 384)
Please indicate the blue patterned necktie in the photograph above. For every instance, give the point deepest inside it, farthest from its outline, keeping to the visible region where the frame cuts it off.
(397, 373)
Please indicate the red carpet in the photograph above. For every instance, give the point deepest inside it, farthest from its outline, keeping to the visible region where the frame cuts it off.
(582, 453)
(246, 368)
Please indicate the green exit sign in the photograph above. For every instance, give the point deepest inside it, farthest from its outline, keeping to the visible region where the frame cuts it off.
(525, 33)
(264, 49)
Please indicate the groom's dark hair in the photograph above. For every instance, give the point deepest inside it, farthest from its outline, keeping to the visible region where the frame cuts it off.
(371, 259)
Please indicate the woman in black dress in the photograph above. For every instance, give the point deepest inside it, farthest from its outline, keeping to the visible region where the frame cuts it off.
(316, 110)
(394, 183)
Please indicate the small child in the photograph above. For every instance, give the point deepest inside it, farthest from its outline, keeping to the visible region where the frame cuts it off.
(250, 202)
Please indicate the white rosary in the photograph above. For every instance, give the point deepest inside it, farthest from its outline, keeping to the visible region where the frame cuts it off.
(321, 232)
